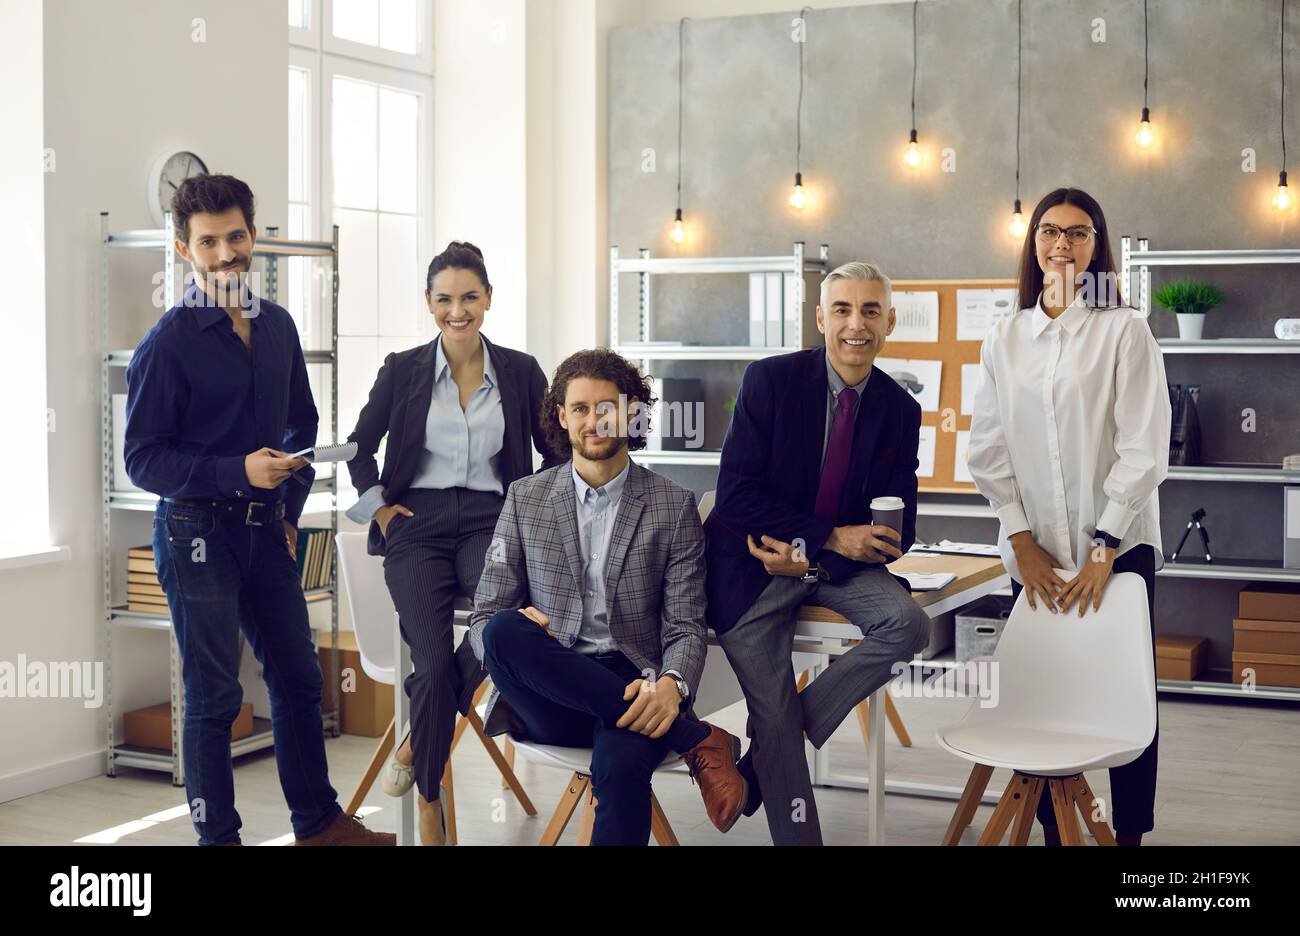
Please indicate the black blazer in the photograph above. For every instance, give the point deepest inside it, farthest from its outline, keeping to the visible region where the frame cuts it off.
(399, 406)
(771, 467)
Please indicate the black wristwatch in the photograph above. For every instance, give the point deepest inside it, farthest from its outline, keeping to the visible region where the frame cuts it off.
(1111, 542)
(814, 573)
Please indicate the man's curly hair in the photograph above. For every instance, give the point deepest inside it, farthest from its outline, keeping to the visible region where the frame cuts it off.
(596, 364)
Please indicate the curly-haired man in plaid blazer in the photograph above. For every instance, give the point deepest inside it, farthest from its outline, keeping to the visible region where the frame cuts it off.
(589, 615)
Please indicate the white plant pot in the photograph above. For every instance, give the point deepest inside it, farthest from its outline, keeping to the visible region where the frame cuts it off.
(1190, 325)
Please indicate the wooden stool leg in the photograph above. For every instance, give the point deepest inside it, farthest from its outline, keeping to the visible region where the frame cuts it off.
(1005, 811)
(1067, 820)
(449, 791)
(863, 709)
(588, 820)
(976, 784)
(508, 778)
(510, 762)
(377, 761)
(1028, 810)
(802, 684)
(564, 809)
(659, 827)
(896, 721)
(1077, 788)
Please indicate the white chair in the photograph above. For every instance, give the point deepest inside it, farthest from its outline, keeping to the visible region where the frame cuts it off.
(718, 689)
(375, 622)
(1074, 694)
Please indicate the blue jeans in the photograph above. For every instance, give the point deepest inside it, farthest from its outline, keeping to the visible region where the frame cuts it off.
(222, 577)
(570, 699)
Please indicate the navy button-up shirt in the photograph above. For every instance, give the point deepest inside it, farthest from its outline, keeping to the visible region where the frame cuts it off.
(198, 401)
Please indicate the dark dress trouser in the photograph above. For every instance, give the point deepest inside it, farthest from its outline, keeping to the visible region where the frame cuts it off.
(1132, 786)
(430, 559)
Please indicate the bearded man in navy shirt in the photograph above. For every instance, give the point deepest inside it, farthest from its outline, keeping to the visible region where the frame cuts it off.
(216, 392)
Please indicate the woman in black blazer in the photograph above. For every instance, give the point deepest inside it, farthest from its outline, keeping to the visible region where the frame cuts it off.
(461, 417)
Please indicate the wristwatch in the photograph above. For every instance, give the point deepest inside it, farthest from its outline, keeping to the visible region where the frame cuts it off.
(683, 690)
(1111, 542)
(814, 573)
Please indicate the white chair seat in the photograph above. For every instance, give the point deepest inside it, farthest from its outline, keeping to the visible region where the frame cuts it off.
(574, 759)
(1035, 751)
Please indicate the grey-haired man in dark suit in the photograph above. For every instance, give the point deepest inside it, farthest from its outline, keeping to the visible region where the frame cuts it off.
(589, 614)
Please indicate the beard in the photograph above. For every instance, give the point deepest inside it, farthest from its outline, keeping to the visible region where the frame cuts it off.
(230, 290)
(580, 446)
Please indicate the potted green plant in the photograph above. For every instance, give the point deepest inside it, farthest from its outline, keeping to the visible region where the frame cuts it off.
(1189, 301)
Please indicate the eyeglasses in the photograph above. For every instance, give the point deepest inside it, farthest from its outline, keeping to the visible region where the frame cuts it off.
(1078, 234)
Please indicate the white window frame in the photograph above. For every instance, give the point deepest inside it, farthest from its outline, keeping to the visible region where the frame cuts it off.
(421, 61)
(309, 61)
(310, 36)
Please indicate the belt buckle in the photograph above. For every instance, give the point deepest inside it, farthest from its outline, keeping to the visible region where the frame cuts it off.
(248, 515)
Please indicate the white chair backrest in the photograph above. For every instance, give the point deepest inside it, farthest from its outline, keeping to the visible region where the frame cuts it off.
(1092, 675)
(706, 504)
(373, 615)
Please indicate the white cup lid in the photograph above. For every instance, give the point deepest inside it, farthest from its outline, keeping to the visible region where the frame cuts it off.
(887, 503)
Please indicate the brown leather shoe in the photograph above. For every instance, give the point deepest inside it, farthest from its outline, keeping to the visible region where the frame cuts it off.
(712, 763)
(348, 830)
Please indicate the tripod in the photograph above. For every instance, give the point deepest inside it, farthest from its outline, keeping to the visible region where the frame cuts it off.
(1197, 516)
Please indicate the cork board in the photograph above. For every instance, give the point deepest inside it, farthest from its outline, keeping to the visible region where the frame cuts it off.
(953, 354)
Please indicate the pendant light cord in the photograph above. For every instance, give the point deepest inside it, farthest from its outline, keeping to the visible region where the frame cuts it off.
(681, 60)
(1146, 54)
(1019, 33)
(798, 110)
(1282, 62)
(915, 4)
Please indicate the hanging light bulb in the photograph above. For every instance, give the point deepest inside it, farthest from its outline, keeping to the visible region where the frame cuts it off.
(798, 200)
(1145, 136)
(1017, 227)
(679, 232)
(1282, 199)
(912, 155)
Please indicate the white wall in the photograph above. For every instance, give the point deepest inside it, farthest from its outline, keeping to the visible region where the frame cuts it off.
(123, 81)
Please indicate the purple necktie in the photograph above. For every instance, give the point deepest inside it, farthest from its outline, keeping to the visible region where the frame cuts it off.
(838, 451)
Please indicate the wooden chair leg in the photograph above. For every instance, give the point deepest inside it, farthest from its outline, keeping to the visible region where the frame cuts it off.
(1067, 820)
(976, 784)
(578, 785)
(587, 821)
(510, 762)
(863, 709)
(802, 682)
(1077, 788)
(377, 761)
(659, 827)
(1028, 810)
(462, 722)
(508, 778)
(1005, 811)
(896, 721)
(449, 791)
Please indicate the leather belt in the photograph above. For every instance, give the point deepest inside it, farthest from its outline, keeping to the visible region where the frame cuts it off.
(252, 513)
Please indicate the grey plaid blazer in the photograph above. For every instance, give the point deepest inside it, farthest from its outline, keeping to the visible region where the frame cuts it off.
(654, 576)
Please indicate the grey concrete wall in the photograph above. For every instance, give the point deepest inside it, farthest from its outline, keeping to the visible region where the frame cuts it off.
(1213, 92)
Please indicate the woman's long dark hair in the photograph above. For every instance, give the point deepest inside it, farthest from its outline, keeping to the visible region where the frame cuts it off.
(1102, 267)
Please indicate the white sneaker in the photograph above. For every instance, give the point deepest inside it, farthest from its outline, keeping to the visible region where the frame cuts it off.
(399, 777)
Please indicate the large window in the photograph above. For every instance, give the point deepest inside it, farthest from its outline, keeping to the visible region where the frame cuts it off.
(360, 116)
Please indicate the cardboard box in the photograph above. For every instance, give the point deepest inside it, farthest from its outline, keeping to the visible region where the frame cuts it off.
(366, 707)
(1180, 656)
(1271, 669)
(1265, 636)
(1269, 603)
(151, 727)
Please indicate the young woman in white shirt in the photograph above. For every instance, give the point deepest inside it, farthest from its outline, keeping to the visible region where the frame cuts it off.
(1070, 440)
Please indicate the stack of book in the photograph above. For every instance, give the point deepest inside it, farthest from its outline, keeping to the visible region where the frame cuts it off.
(315, 555)
(143, 593)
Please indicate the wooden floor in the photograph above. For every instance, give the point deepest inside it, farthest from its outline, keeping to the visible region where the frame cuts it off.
(1229, 774)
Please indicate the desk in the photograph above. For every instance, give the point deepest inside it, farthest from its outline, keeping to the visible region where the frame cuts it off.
(823, 631)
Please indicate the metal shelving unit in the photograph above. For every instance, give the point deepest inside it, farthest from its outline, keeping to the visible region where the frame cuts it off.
(272, 248)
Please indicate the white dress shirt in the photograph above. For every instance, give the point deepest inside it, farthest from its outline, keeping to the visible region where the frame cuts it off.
(1070, 432)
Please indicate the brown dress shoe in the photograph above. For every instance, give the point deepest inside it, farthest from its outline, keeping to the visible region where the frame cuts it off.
(712, 764)
(348, 830)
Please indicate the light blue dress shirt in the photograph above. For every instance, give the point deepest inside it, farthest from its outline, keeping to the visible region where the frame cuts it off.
(597, 508)
(462, 448)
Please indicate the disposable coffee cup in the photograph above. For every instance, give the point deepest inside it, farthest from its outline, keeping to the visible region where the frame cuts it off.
(888, 511)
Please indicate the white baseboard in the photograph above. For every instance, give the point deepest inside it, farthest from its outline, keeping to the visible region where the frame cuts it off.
(49, 776)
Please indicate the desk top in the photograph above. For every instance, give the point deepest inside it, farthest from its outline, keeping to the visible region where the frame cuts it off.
(970, 571)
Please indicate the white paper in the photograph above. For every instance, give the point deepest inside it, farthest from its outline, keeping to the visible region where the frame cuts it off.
(970, 381)
(925, 453)
(978, 309)
(927, 581)
(917, 316)
(959, 470)
(914, 373)
(1293, 513)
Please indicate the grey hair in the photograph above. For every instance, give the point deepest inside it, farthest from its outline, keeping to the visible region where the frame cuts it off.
(858, 270)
